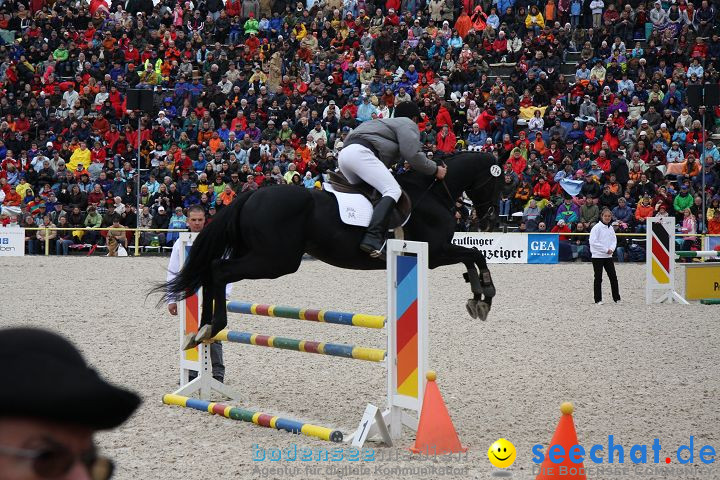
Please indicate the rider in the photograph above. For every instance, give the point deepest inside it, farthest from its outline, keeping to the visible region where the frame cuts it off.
(367, 154)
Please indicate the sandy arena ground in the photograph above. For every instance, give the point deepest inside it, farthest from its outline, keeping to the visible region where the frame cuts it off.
(633, 371)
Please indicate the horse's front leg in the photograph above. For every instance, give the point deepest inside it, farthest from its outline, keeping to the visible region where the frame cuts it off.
(482, 287)
(481, 284)
(486, 286)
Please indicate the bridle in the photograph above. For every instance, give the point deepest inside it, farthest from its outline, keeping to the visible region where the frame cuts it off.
(488, 205)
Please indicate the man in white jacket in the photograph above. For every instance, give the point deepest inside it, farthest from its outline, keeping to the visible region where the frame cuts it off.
(602, 245)
(196, 222)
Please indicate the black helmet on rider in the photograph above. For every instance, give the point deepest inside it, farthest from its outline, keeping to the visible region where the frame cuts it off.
(407, 110)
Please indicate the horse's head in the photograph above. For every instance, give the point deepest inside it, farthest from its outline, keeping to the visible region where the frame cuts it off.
(484, 191)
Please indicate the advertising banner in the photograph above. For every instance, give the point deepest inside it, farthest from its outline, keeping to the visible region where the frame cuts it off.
(12, 242)
(702, 281)
(543, 248)
(497, 247)
(711, 243)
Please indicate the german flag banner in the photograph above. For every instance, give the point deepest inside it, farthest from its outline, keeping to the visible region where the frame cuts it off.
(660, 254)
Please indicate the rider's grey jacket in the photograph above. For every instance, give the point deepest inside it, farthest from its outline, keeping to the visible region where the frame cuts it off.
(392, 139)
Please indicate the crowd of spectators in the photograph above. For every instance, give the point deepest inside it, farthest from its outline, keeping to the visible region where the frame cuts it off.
(587, 100)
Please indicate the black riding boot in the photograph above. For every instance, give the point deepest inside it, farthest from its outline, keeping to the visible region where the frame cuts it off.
(374, 239)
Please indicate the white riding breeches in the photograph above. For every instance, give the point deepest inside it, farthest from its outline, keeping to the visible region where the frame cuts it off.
(359, 163)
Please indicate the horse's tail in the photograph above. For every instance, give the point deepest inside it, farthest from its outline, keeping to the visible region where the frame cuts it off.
(220, 238)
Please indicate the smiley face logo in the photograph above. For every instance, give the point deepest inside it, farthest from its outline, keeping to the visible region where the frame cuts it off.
(502, 453)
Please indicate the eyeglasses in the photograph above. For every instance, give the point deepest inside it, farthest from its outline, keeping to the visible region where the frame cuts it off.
(56, 460)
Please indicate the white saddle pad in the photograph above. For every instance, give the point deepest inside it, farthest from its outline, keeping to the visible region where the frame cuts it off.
(354, 208)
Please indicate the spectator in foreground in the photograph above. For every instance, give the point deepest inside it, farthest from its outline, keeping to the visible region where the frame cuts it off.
(58, 403)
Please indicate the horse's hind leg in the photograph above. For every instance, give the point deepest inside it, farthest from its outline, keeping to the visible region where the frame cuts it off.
(251, 266)
(191, 340)
(208, 311)
(207, 305)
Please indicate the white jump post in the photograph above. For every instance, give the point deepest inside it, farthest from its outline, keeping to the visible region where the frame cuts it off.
(196, 359)
(407, 344)
(660, 261)
(407, 359)
(700, 278)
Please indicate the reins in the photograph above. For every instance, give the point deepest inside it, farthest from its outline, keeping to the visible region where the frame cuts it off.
(432, 184)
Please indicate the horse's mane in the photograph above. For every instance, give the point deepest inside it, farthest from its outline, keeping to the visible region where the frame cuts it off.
(417, 178)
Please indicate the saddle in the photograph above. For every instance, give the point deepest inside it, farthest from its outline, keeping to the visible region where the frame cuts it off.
(403, 207)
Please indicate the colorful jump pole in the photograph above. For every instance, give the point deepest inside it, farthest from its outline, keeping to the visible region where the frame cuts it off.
(698, 254)
(307, 346)
(258, 418)
(309, 314)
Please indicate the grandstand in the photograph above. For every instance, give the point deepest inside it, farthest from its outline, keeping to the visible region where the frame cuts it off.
(592, 103)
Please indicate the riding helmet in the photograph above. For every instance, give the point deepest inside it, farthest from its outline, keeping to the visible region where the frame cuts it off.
(407, 110)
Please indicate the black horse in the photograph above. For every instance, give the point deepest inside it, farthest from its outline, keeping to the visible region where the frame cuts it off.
(264, 234)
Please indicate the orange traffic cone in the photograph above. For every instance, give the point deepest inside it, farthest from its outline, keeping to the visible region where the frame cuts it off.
(436, 434)
(565, 436)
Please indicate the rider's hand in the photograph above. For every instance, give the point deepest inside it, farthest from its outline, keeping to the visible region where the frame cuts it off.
(172, 308)
(441, 172)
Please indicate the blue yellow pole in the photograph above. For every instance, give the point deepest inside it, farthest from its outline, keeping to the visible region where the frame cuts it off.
(309, 314)
(307, 346)
(258, 418)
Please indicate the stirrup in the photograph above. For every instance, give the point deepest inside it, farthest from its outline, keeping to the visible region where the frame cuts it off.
(378, 254)
(373, 252)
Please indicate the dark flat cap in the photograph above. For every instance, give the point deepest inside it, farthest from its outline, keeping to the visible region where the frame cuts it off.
(50, 380)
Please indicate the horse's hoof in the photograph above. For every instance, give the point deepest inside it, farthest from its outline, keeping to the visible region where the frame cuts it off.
(204, 333)
(471, 307)
(482, 310)
(477, 309)
(189, 342)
